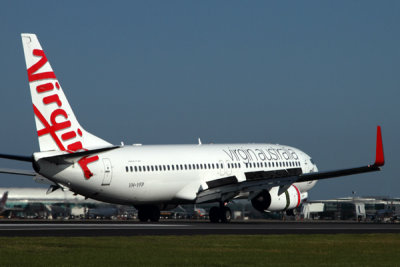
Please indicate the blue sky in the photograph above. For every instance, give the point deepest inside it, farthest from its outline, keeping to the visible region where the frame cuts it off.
(317, 75)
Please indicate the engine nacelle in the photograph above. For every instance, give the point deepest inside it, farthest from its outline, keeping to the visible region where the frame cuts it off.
(270, 201)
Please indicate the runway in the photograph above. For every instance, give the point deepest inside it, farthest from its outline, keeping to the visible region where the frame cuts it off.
(110, 228)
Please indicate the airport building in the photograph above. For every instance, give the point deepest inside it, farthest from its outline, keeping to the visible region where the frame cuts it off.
(381, 209)
(37, 203)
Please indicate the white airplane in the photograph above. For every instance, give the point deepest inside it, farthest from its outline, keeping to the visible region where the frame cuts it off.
(153, 177)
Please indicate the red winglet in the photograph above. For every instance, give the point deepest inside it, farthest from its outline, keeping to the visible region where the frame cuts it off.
(380, 158)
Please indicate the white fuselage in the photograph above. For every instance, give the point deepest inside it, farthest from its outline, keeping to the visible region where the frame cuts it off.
(163, 174)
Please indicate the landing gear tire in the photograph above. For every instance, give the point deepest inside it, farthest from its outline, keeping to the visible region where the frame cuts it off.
(143, 215)
(226, 215)
(292, 212)
(223, 214)
(214, 214)
(147, 213)
(154, 214)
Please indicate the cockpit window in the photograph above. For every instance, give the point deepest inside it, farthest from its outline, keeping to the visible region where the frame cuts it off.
(312, 162)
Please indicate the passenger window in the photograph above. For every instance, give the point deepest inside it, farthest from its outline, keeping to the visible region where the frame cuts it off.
(126, 168)
(135, 169)
(212, 165)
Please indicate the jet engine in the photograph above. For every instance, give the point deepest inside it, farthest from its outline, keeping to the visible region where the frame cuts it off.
(271, 201)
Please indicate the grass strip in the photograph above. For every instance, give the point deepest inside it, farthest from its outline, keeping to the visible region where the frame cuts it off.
(207, 250)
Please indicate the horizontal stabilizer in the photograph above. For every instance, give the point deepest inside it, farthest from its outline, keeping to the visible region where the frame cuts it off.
(42, 180)
(65, 156)
(20, 172)
(17, 157)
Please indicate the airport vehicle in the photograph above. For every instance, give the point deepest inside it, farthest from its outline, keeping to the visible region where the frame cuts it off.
(153, 177)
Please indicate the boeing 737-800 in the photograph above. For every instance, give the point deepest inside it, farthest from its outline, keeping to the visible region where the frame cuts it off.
(153, 177)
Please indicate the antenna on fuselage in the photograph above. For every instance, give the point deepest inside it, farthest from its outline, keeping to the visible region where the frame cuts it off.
(200, 142)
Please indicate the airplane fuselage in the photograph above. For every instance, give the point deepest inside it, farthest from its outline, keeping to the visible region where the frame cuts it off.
(168, 174)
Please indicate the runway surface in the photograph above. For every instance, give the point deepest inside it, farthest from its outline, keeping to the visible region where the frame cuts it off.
(46, 228)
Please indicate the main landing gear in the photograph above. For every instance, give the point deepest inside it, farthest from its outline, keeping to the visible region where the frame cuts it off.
(146, 213)
(292, 212)
(220, 214)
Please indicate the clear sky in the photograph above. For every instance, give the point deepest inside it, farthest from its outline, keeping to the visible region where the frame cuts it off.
(316, 75)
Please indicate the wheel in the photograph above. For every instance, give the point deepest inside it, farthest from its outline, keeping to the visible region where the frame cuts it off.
(226, 215)
(143, 214)
(214, 214)
(154, 214)
(291, 212)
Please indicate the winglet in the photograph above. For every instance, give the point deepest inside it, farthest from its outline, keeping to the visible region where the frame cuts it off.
(379, 158)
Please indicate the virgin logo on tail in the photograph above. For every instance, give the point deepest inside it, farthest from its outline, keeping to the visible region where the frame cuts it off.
(58, 118)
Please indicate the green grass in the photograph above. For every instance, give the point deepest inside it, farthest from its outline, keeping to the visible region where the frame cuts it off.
(207, 250)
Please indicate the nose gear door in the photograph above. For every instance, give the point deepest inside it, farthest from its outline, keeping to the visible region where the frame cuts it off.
(107, 172)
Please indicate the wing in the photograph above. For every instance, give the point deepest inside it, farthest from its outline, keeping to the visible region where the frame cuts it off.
(224, 189)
